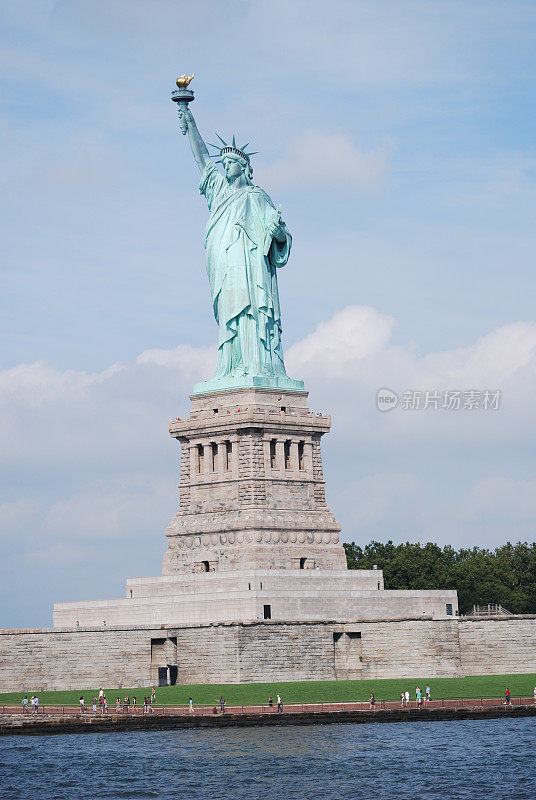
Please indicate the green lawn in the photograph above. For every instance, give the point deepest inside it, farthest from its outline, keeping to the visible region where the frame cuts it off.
(301, 691)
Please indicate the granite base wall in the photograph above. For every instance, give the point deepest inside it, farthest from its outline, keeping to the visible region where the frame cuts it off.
(498, 645)
(52, 659)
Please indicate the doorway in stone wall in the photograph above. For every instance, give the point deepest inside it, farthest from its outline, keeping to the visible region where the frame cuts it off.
(162, 676)
(163, 655)
(347, 654)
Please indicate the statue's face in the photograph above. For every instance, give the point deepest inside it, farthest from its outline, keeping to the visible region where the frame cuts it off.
(233, 167)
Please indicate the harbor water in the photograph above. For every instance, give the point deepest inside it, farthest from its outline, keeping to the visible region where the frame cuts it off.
(466, 760)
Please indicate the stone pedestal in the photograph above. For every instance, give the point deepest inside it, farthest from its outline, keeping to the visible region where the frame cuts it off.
(251, 486)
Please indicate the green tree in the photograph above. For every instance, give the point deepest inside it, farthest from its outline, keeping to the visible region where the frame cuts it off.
(506, 576)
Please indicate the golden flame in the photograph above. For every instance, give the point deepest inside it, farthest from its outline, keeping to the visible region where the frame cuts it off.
(184, 80)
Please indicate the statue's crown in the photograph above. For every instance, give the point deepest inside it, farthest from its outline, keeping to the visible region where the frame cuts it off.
(231, 149)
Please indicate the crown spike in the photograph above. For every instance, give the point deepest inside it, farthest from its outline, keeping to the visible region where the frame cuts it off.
(222, 140)
(234, 141)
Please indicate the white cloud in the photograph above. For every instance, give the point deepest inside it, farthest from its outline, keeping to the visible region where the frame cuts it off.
(493, 359)
(332, 350)
(197, 361)
(39, 382)
(354, 346)
(328, 159)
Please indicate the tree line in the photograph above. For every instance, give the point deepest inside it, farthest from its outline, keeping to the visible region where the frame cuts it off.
(506, 575)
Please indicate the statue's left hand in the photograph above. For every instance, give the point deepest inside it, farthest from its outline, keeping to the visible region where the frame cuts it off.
(277, 232)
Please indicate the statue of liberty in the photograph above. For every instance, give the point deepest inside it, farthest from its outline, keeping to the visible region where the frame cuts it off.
(246, 242)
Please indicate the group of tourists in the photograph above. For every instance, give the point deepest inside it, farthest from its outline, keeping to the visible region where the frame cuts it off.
(421, 698)
(31, 704)
(223, 705)
(100, 703)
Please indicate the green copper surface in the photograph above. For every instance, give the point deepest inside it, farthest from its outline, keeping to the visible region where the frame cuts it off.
(246, 243)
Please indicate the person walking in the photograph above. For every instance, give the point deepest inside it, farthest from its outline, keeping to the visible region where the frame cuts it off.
(271, 702)
(191, 705)
(222, 705)
(25, 702)
(406, 697)
(372, 701)
(507, 697)
(36, 704)
(279, 704)
(82, 704)
(94, 705)
(428, 693)
(535, 694)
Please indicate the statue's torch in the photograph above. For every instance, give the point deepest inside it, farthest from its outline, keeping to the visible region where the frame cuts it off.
(182, 96)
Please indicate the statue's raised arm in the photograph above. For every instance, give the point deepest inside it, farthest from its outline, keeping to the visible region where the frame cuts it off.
(199, 148)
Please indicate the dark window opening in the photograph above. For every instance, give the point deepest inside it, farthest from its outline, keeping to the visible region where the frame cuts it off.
(287, 454)
(336, 637)
(173, 674)
(449, 609)
(249, 587)
(215, 410)
(354, 635)
(301, 460)
(213, 456)
(228, 451)
(261, 584)
(162, 676)
(283, 408)
(267, 612)
(272, 453)
(302, 563)
(200, 458)
(206, 567)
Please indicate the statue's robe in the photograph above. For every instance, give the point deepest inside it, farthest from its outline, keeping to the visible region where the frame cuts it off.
(242, 259)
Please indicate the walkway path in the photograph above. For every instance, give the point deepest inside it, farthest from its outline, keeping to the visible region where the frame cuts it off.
(65, 719)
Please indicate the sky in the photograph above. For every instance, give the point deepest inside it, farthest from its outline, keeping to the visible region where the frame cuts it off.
(398, 137)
